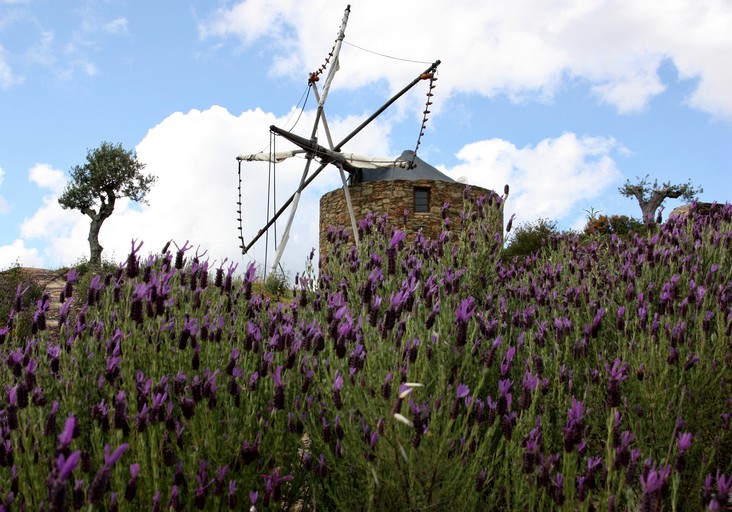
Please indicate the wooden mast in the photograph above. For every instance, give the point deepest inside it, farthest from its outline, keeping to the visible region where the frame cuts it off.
(313, 137)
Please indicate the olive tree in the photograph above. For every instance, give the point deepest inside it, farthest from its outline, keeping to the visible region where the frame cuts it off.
(651, 196)
(110, 172)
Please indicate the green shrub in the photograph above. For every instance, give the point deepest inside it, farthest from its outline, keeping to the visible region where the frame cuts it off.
(10, 280)
(529, 237)
(277, 283)
(620, 225)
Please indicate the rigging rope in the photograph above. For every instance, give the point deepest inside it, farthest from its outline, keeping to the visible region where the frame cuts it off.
(306, 94)
(238, 212)
(386, 56)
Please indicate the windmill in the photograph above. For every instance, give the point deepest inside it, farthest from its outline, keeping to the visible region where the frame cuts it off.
(346, 163)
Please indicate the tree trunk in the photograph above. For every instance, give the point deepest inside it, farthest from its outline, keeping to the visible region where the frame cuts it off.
(105, 210)
(95, 248)
(649, 207)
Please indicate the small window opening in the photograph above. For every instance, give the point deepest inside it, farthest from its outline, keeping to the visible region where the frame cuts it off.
(421, 200)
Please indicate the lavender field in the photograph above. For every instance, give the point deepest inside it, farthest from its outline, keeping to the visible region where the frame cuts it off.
(408, 375)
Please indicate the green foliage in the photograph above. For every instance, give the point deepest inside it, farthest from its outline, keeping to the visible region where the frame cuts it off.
(651, 196)
(529, 237)
(277, 283)
(10, 281)
(110, 172)
(620, 225)
(85, 268)
(86, 271)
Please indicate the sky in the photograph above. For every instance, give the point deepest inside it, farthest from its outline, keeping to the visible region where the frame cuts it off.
(564, 100)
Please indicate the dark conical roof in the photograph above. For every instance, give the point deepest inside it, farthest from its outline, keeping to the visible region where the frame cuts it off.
(421, 171)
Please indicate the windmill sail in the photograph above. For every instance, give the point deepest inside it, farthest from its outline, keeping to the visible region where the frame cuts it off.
(323, 154)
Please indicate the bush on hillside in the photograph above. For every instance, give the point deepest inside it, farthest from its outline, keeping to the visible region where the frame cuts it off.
(18, 297)
(620, 225)
(590, 376)
(529, 237)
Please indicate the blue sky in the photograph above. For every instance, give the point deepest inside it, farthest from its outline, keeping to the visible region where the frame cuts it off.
(563, 100)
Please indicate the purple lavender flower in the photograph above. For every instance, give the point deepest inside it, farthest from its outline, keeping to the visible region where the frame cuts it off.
(558, 489)
(651, 485)
(337, 385)
(462, 314)
(131, 488)
(101, 480)
(616, 374)
(683, 443)
(273, 484)
(65, 438)
(574, 427)
(722, 496)
(65, 465)
(506, 363)
(77, 495)
(622, 451)
(462, 391)
(504, 397)
(231, 497)
(509, 224)
(529, 384)
(279, 394)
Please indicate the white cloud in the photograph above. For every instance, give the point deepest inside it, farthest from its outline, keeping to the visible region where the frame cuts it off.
(45, 176)
(4, 207)
(116, 26)
(518, 48)
(8, 78)
(17, 253)
(546, 180)
(194, 157)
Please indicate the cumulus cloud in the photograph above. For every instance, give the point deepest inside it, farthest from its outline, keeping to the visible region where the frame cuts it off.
(46, 177)
(194, 157)
(518, 49)
(116, 26)
(17, 253)
(8, 77)
(547, 179)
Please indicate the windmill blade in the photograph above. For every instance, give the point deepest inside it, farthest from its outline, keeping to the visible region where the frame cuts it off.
(274, 158)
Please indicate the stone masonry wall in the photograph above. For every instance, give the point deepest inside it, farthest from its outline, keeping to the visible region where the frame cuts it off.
(393, 197)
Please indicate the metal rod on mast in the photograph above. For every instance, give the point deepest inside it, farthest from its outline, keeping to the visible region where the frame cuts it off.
(346, 193)
(338, 147)
(313, 136)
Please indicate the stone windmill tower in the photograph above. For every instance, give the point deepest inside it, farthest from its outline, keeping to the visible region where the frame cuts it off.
(412, 198)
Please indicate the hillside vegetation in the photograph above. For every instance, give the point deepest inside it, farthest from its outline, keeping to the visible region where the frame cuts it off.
(410, 374)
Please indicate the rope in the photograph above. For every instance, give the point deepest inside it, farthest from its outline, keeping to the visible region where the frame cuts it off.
(386, 56)
(238, 212)
(425, 115)
(306, 94)
(241, 227)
